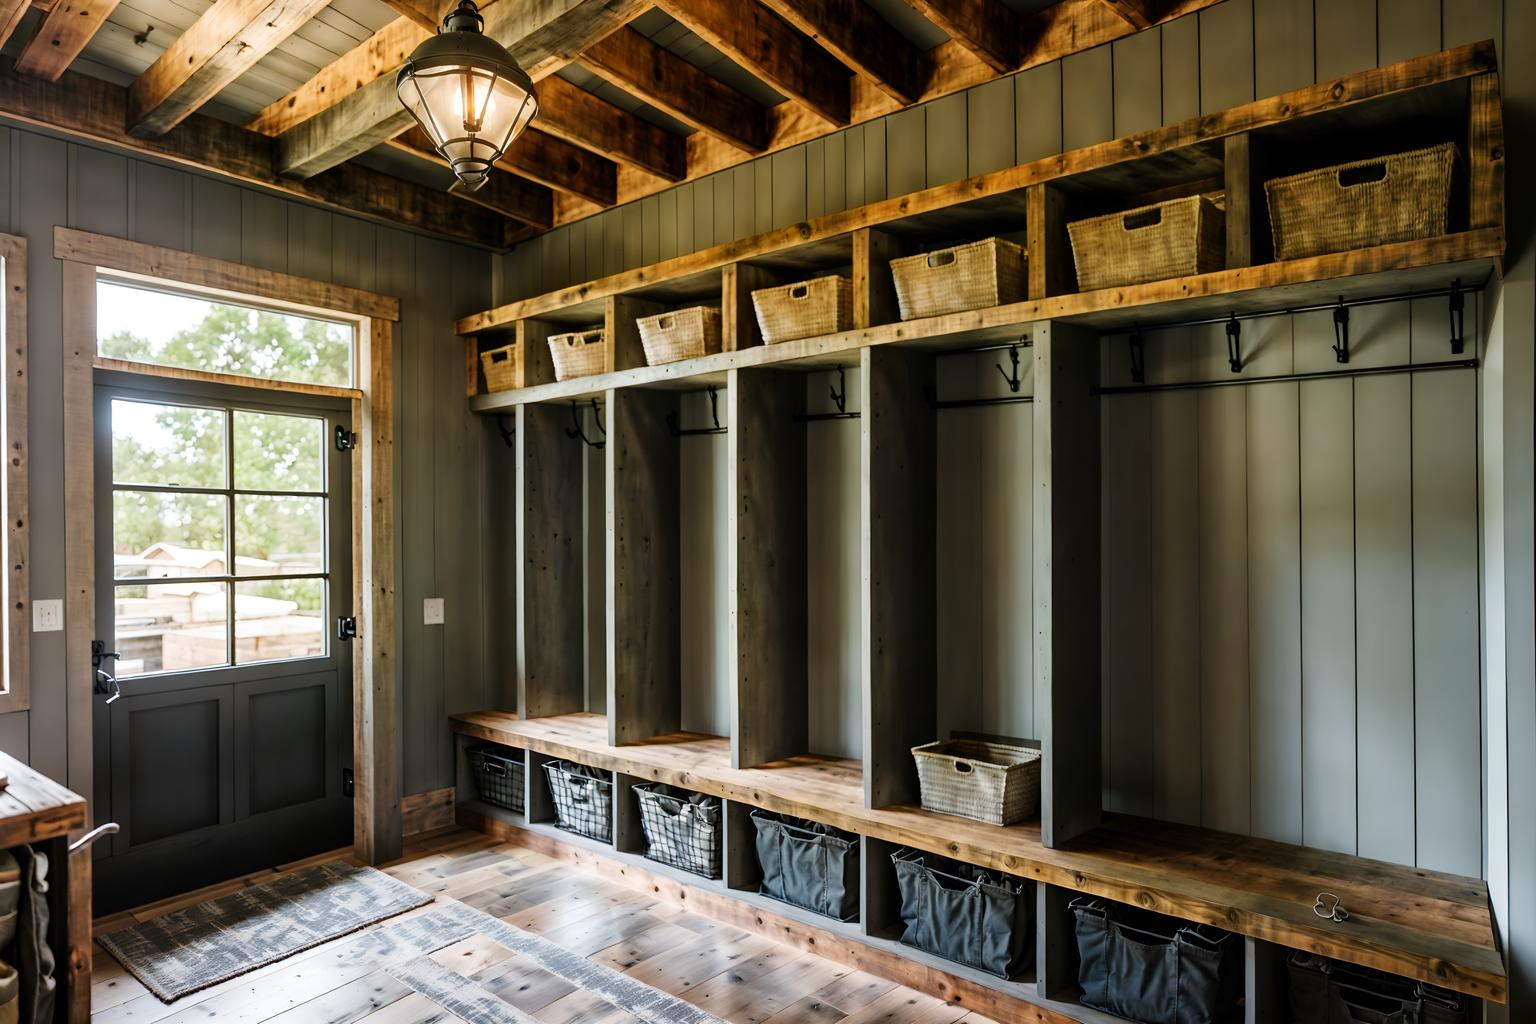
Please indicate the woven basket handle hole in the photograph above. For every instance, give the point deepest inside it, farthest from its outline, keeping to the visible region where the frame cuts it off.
(964, 767)
(665, 323)
(941, 259)
(492, 768)
(500, 357)
(1144, 219)
(1352, 176)
(799, 291)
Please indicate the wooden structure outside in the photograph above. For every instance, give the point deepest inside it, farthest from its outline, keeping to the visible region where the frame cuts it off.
(1420, 924)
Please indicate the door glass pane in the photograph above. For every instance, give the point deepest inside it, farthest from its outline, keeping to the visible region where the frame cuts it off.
(279, 534)
(168, 627)
(279, 453)
(276, 619)
(167, 445)
(167, 329)
(165, 535)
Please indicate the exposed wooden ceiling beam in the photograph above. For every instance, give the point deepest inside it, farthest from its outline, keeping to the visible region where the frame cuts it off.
(423, 13)
(1138, 14)
(96, 111)
(861, 39)
(524, 201)
(11, 12)
(632, 62)
(760, 40)
(62, 35)
(539, 34)
(378, 55)
(987, 28)
(224, 43)
(552, 161)
(579, 117)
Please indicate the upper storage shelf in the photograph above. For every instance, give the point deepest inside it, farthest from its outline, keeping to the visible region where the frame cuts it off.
(1447, 97)
(1421, 924)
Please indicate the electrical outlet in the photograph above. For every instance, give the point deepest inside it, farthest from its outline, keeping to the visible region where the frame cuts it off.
(432, 611)
(47, 616)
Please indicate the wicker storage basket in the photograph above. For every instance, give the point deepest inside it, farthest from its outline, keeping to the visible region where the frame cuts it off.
(1172, 239)
(1368, 202)
(577, 355)
(500, 366)
(804, 310)
(972, 276)
(680, 334)
(990, 782)
(498, 775)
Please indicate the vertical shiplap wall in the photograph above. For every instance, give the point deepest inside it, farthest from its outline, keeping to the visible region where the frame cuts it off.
(1291, 629)
(443, 520)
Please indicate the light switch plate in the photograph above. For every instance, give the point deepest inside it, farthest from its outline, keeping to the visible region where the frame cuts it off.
(432, 611)
(48, 616)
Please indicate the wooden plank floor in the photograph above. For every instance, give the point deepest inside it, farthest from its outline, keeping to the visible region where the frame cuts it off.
(739, 977)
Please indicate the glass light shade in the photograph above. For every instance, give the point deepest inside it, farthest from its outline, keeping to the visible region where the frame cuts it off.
(467, 93)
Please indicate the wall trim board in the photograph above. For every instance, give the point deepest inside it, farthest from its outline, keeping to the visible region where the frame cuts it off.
(219, 277)
(427, 812)
(18, 615)
(376, 681)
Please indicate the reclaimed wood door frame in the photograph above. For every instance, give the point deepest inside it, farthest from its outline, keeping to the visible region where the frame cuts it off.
(375, 676)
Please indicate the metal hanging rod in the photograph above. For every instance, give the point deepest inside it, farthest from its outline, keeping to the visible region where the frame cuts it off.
(714, 414)
(1364, 371)
(575, 430)
(974, 403)
(1455, 292)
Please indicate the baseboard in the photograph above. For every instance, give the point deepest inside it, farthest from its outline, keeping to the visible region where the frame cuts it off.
(426, 812)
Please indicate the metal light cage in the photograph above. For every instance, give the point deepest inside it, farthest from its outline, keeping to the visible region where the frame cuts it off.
(467, 93)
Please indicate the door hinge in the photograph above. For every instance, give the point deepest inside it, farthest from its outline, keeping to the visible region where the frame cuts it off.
(346, 440)
(348, 784)
(346, 627)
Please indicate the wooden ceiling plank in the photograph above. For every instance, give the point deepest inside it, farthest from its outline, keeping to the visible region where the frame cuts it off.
(551, 161)
(222, 45)
(378, 55)
(987, 28)
(582, 119)
(539, 33)
(95, 111)
(11, 12)
(1138, 14)
(61, 37)
(661, 78)
(762, 42)
(862, 40)
(422, 12)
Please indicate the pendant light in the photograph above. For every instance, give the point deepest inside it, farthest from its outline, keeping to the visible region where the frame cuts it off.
(468, 94)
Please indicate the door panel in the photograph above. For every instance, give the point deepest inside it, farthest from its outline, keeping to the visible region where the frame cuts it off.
(281, 731)
(172, 769)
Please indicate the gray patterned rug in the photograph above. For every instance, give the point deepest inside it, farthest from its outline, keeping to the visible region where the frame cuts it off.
(191, 949)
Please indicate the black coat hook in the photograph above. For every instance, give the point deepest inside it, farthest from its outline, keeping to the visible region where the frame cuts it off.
(1138, 356)
(1234, 344)
(839, 398)
(503, 424)
(1458, 304)
(575, 430)
(1011, 378)
(714, 414)
(1341, 332)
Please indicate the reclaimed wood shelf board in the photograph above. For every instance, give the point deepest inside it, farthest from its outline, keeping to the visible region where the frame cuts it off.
(1421, 924)
(34, 808)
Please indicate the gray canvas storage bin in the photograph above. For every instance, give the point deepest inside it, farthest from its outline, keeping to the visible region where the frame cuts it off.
(583, 799)
(808, 864)
(499, 775)
(1155, 969)
(1327, 991)
(983, 919)
(681, 828)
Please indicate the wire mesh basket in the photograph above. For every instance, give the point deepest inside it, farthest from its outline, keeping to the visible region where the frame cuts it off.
(498, 776)
(583, 799)
(681, 828)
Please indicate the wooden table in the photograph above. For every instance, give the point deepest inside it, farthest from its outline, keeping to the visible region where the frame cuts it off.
(36, 811)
